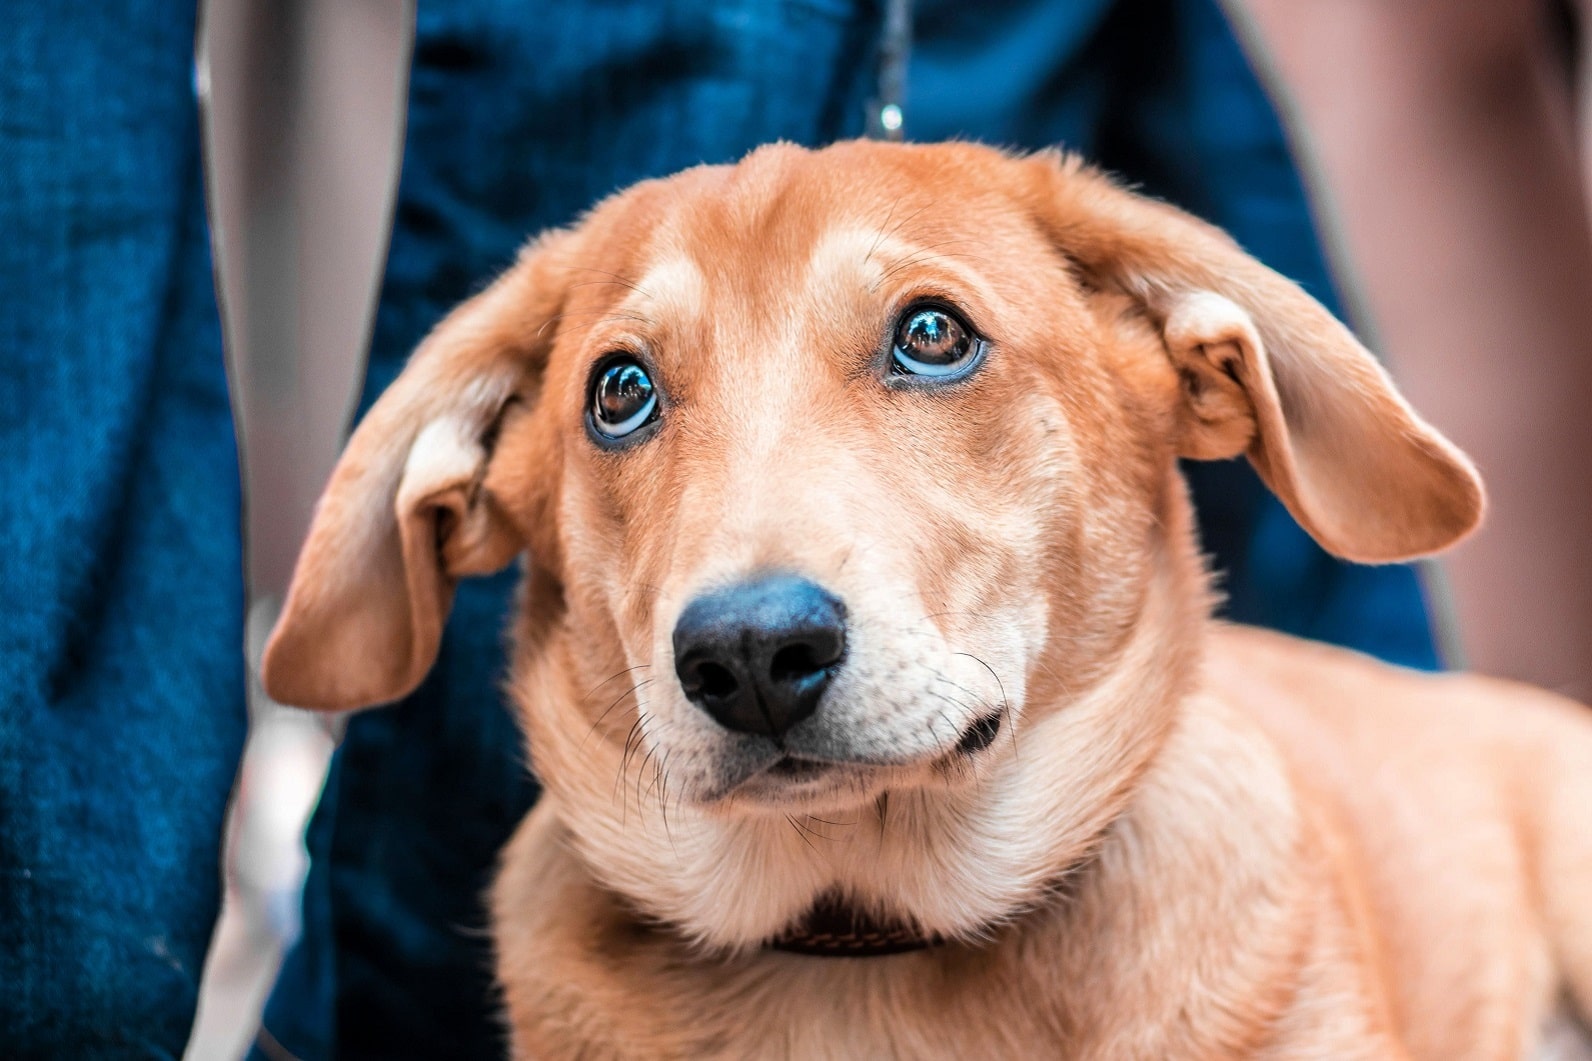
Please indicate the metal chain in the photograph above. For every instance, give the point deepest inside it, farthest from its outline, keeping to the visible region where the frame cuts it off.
(886, 118)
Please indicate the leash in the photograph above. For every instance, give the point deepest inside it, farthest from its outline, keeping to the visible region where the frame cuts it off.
(886, 117)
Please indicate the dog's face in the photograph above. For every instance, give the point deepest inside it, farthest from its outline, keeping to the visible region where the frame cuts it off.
(840, 456)
(836, 469)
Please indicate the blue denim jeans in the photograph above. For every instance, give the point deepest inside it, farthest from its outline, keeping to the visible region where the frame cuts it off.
(121, 585)
(121, 709)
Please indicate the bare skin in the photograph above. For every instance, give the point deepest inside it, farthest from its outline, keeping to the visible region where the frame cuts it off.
(1444, 157)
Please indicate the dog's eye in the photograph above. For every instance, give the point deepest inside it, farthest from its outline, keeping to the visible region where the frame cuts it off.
(932, 341)
(623, 398)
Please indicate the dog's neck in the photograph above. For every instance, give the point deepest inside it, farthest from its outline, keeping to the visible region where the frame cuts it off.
(955, 863)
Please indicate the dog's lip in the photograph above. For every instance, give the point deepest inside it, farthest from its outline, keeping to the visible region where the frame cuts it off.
(980, 735)
(793, 772)
(797, 768)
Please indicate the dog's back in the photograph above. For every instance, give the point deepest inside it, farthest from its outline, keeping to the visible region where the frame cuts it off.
(1461, 807)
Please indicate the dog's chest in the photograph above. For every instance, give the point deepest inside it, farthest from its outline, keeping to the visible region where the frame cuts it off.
(915, 1005)
(580, 978)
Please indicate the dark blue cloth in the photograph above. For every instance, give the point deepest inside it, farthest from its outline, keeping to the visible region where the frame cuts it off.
(121, 667)
(518, 123)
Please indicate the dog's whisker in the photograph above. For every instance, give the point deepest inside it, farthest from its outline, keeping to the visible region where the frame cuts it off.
(804, 824)
(679, 801)
(663, 803)
(589, 325)
(1010, 722)
(652, 788)
(640, 770)
(920, 253)
(595, 283)
(632, 691)
(651, 744)
(954, 701)
(801, 834)
(614, 278)
(882, 233)
(643, 743)
(558, 318)
(659, 787)
(624, 767)
(940, 677)
(924, 259)
(971, 715)
(808, 819)
(1005, 702)
(611, 677)
(633, 707)
(903, 222)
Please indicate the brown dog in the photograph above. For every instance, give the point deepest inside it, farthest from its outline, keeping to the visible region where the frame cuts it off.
(862, 592)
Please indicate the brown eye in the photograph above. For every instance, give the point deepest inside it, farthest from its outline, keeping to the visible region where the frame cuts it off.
(930, 341)
(622, 398)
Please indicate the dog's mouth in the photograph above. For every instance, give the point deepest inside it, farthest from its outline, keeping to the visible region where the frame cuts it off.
(980, 735)
(793, 777)
(794, 768)
(794, 773)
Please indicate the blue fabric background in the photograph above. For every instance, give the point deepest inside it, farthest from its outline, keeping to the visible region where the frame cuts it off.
(121, 666)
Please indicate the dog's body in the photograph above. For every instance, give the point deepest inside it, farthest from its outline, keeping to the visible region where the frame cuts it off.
(941, 641)
(1329, 859)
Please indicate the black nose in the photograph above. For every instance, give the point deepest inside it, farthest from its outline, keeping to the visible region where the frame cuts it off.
(758, 655)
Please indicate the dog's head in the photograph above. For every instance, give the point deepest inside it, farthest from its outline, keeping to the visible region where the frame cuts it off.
(833, 468)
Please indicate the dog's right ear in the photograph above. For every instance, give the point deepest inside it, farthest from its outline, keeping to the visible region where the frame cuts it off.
(406, 512)
(1268, 372)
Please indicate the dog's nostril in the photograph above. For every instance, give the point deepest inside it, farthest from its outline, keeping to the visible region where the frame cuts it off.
(795, 662)
(712, 680)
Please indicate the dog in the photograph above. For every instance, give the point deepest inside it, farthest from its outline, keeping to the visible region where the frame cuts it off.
(866, 654)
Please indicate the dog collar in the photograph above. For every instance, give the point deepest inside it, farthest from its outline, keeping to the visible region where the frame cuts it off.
(832, 929)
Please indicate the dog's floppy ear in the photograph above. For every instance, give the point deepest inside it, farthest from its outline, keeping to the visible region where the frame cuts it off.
(1266, 370)
(405, 514)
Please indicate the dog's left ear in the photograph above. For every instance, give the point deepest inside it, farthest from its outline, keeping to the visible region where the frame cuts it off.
(406, 513)
(1268, 371)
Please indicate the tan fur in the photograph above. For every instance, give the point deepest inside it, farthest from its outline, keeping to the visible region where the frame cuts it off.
(1189, 839)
